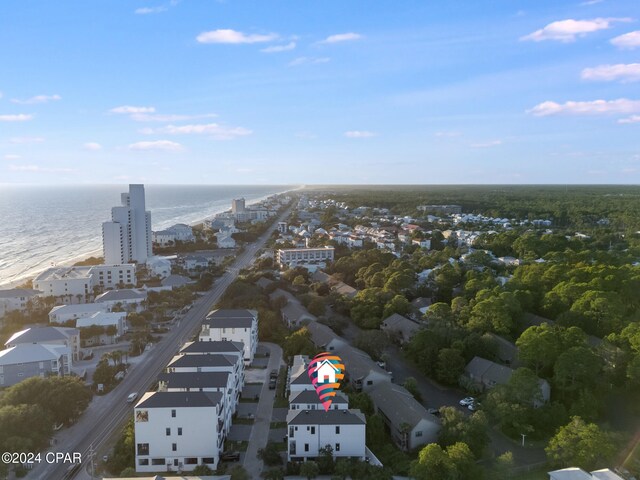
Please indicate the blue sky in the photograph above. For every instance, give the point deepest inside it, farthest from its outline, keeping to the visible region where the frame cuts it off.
(301, 91)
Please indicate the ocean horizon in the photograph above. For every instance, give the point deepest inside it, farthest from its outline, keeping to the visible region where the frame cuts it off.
(44, 226)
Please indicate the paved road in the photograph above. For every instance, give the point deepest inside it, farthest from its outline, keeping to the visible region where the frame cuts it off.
(262, 424)
(108, 413)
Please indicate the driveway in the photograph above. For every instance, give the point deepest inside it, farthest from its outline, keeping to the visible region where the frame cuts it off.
(260, 431)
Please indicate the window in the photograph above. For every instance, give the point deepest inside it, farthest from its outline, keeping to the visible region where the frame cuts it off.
(179, 430)
(208, 460)
(313, 430)
(291, 431)
(337, 430)
(337, 447)
(168, 432)
(173, 413)
(369, 382)
(191, 461)
(174, 447)
(157, 461)
(418, 434)
(306, 447)
(143, 449)
(143, 461)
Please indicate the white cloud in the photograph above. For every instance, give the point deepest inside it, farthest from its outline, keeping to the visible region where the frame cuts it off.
(128, 109)
(359, 134)
(159, 117)
(20, 117)
(595, 107)
(38, 99)
(341, 37)
(279, 48)
(591, 2)
(628, 40)
(624, 72)
(92, 146)
(568, 30)
(234, 37)
(491, 143)
(39, 169)
(308, 61)
(23, 140)
(631, 119)
(149, 10)
(165, 145)
(217, 131)
(11, 156)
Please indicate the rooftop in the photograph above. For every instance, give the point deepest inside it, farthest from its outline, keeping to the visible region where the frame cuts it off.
(215, 360)
(212, 347)
(29, 353)
(331, 417)
(179, 399)
(310, 396)
(123, 294)
(41, 334)
(398, 405)
(64, 273)
(18, 292)
(195, 379)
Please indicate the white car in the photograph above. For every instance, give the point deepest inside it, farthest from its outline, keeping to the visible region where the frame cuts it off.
(465, 402)
(132, 397)
(473, 406)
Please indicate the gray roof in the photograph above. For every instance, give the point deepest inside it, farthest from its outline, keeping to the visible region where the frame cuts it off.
(357, 363)
(488, 370)
(264, 282)
(398, 405)
(179, 399)
(195, 379)
(123, 294)
(322, 335)
(29, 353)
(175, 281)
(41, 334)
(212, 347)
(320, 417)
(18, 292)
(282, 293)
(232, 313)
(214, 360)
(399, 323)
(310, 396)
(296, 312)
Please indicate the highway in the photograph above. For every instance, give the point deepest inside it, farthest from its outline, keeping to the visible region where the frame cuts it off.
(107, 414)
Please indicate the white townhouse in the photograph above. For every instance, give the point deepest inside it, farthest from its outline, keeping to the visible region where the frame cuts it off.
(222, 382)
(308, 400)
(293, 257)
(65, 313)
(298, 379)
(209, 363)
(308, 431)
(129, 298)
(178, 232)
(212, 348)
(178, 431)
(233, 326)
(66, 337)
(16, 299)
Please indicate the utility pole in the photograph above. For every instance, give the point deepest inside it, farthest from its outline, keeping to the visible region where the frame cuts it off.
(523, 436)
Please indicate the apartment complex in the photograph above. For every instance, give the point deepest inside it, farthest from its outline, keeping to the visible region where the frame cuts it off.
(232, 326)
(74, 281)
(292, 257)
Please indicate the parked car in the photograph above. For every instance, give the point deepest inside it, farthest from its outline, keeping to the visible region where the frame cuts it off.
(132, 397)
(434, 411)
(272, 384)
(474, 406)
(273, 374)
(465, 402)
(230, 456)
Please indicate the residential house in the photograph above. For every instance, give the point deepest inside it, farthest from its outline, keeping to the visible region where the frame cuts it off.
(212, 348)
(159, 266)
(176, 233)
(361, 371)
(225, 240)
(234, 326)
(399, 327)
(294, 314)
(16, 299)
(297, 378)
(176, 281)
(66, 337)
(177, 431)
(32, 360)
(292, 257)
(507, 351)
(574, 473)
(66, 313)
(409, 422)
(309, 431)
(325, 338)
(104, 319)
(129, 299)
(209, 363)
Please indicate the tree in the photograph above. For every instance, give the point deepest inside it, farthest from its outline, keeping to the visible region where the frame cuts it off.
(398, 304)
(299, 343)
(270, 455)
(372, 342)
(325, 460)
(201, 470)
(450, 366)
(342, 468)
(309, 470)
(456, 462)
(274, 474)
(411, 384)
(456, 427)
(576, 369)
(580, 444)
(502, 467)
(239, 473)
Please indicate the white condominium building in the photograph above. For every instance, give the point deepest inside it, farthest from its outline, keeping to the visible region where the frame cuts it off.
(73, 281)
(127, 237)
(300, 256)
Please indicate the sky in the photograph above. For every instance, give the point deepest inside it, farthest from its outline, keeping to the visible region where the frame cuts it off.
(319, 92)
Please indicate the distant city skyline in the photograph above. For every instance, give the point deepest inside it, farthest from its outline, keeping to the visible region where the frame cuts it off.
(222, 92)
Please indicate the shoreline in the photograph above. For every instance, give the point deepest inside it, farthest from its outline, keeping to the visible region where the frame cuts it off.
(98, 252)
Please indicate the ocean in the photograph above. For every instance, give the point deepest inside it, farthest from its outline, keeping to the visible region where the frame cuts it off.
(57, 225)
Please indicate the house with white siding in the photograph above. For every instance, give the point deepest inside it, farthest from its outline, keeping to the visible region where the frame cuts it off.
(233, 326)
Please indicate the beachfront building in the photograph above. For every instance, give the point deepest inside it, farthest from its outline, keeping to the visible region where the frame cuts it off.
(127, 237)
(130, 299)
(293, 257)
(177, 431)
(16, 299)
(309, 431)
(117, 320)
(65, 313)
(57, 336)
(232, 326)
(176, 233)
(81, 282)
(32, 360)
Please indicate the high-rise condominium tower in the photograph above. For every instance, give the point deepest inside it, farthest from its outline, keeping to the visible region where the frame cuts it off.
(127, 237)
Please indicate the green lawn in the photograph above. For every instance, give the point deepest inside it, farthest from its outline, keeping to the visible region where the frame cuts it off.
(537, 474)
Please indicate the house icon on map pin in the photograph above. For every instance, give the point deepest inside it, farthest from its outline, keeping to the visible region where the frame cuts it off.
(326, 372)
